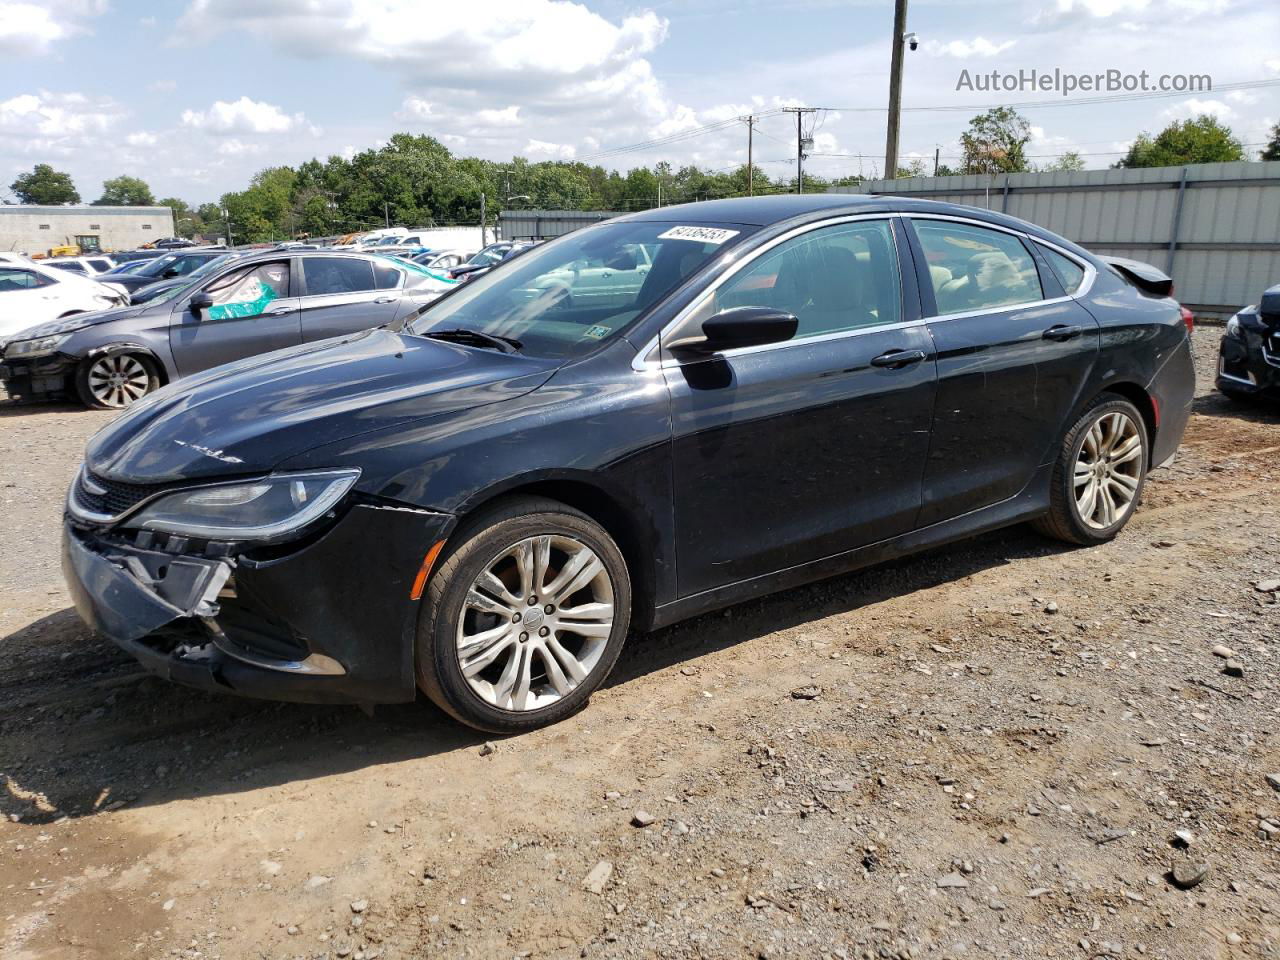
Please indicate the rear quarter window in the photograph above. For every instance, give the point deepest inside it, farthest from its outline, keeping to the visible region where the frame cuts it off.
(1070, 274)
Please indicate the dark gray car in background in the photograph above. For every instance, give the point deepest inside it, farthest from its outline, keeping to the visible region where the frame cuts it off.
(253, 305)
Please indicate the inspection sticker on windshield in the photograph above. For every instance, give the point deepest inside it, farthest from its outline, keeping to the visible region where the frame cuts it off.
(596, 332)
(699, 234)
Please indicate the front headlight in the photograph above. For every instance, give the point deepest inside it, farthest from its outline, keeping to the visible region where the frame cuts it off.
(1233, 325)
(35, 348)
(264, 510)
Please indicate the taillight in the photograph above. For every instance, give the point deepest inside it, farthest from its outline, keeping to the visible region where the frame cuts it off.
(1188, 319)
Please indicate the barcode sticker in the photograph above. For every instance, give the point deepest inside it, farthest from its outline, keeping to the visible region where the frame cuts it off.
(714, 235)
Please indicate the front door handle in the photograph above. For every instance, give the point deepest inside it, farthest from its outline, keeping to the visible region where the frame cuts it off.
(894, 359)
(1062, 331)
(281, 311)
(385, 300)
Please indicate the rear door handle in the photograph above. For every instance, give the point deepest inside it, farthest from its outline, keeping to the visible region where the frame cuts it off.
(1062, 331)
(897, 358)
(385, 300)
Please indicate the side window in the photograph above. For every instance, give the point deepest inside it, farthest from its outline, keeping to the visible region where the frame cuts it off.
(19, 280)
(1070, 273)
(832, 279)
(247, 292)
(332, 275)
(385, 276)
(974, 268)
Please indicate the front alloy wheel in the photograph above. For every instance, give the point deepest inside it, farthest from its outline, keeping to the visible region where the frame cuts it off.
(523, 617)
(115, 380)
(535, 623)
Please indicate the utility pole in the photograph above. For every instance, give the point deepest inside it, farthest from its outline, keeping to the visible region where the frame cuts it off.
(937, 151)
(800, 140)
(751, 129)
(484, 242)
(895, 89)
(386, 213)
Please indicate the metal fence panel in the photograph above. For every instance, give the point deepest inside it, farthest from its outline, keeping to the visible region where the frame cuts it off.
(547, 224)
(1214, 227)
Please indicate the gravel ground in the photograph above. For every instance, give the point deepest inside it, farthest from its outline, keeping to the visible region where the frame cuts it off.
(1005, 748)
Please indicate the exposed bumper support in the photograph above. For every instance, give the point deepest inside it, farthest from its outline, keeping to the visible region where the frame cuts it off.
(332, 621)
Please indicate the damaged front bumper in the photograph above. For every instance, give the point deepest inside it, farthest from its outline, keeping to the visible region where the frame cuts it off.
(39, 378)
(1249, 363)
(331, 620)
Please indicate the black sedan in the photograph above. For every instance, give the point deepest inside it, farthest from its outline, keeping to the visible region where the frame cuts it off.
(1249, 355)
(482, 503)
(170, 266)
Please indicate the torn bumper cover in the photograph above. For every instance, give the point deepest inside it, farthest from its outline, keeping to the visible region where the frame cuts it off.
(332, 621)
(40, 378)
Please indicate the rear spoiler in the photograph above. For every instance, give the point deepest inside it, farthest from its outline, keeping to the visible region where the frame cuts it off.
(1142, 275)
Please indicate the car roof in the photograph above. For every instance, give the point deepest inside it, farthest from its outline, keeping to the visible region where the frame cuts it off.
(778, 208)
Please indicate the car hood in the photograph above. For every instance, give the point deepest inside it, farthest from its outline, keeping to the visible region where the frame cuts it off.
(247, 417)
(71, 324)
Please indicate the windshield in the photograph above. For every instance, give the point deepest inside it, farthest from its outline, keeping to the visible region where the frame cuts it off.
(157, 266)
(488, 256)
(566, 297)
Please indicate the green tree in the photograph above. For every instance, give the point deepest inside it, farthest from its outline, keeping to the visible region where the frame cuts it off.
(1199, 140)
(45, 185)
(1272, 150)
(1069, 161)
(186, 222)
(125, 191)
(996, 142)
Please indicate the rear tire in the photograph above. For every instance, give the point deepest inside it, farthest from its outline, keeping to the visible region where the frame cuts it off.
(1099, 474)
(492, 659)
(113, 381)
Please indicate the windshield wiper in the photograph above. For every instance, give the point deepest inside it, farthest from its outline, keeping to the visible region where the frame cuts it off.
(476, 338)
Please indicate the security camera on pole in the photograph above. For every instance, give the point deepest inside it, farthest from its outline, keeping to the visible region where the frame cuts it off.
(900, 38)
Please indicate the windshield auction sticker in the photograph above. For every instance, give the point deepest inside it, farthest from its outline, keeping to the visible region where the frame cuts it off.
(699, 234)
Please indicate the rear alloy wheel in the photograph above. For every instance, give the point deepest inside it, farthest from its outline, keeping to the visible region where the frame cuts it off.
(524, 618)
(115, 380)
(1097, 482)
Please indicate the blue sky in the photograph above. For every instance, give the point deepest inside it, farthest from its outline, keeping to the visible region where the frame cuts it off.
(195, 96)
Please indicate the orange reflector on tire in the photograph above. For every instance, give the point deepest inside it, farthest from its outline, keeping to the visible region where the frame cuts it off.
(420, 581)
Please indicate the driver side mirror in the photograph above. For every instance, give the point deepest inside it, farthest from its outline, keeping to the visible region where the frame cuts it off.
(201, 301)
(739, 327)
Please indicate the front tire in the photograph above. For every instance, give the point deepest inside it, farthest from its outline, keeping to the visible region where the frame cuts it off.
(113, 381)
(1099, 475)
(524, 618)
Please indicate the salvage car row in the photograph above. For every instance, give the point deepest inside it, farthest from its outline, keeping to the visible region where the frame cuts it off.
(108, 339)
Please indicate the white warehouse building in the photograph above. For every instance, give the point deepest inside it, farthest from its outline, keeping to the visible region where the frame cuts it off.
(35, 229)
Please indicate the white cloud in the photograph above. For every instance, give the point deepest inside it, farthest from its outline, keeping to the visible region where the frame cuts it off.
(414, 108)
(141, 139)
(543, 150)
(28, 29)
(977, 47)
(56, 114)
(237, 148)
(506, 117)
(1195, 107)
(242, 116)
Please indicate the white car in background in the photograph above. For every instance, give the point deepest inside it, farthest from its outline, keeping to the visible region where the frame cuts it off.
(32, 293)
(87, 266)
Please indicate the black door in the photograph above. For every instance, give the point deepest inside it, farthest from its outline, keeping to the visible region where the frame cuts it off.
(791, 452)
(1013, 357)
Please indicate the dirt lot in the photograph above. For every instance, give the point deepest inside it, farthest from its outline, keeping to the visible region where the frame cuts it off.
(981, 752)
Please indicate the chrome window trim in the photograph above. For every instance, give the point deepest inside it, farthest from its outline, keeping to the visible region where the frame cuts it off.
(641, 361)
(1090, 272)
